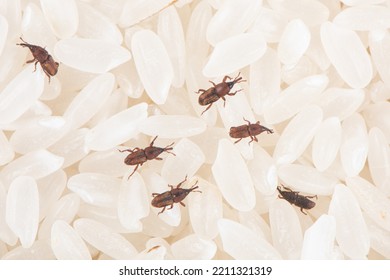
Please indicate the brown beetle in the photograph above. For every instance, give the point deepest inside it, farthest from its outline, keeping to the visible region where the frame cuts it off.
(208, 97)
(248, 130)
(49, 66)
(295, 198)
(175, 195)
(139, 156)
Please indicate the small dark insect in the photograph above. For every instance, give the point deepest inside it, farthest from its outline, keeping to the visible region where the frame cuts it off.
(49, 66)
(139, 156)
(175, 195)
(208, 97)
(248, 130)
(295, 198)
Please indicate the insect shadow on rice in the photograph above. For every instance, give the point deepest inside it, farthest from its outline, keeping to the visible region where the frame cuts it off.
(211, 95)
(248, 130)
(49, 66)
(295, 198)
(139, 156)
(175, 195)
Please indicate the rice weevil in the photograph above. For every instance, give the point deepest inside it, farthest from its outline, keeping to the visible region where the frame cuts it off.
(175, 195)
(211, 95)
(248, 130)
(49, 66)
(295, 198)
(139, 156)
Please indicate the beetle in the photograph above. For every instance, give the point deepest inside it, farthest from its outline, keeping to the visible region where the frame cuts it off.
(49, 66)
(211, 95)
(175, 195)
(139, 156)
(248, 130)
(295, 198)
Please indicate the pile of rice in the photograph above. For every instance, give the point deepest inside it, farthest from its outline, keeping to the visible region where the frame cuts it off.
(317, 73)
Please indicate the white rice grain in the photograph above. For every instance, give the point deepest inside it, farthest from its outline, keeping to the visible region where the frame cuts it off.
(117, 129)
(351, 230)
(319, 239)
(153, 64)
(364, 17)
(237, 190)
(297, 135)
(67, 244)
(286, 229)
(371, 200)
(234, 53)
(243, 244)
(172, 126)
(205, 210)
(326, 143)
(294, 42)
(22, 209)
(89, 100)
(63, 17)
(104, 239)
(37, 164)
(189, 158)
(224, 24)
(96, 189)
(170, 30)
(13, 98)
(354, 145)
(192, 247)
(379, 159)
(64, 209)
(307, 179)
(294, 98)
(91, 55)
(347, 54)
(133, 202)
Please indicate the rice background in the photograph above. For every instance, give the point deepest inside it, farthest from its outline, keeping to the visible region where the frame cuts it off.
(317, 72)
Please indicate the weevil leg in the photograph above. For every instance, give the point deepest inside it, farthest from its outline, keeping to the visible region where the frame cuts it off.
(179, 185)
(238, 141)
(170, 207)
(255, 138)
(133, 172)
(47, 74)
(182, 204)
(35, 66)
(287, 188)
(128, 150)
(161, 210)
(246, 120)
(280, 196)
(200, 91)
(158, 158)
(251, 140)
(225, 78)
(312, 196)
(302, 211)
(208, 107)
(213, 83)
(31, 60)
(172, 187)
(151, 143)
(234, 93)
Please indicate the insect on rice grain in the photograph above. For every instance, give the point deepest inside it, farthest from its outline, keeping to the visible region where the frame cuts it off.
(208, 97)
(49, 66)
(248, 130)
(175, 195)
(295, 198)
(139, 156)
